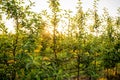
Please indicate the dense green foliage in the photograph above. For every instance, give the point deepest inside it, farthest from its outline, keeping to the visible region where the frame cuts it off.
(83, 50)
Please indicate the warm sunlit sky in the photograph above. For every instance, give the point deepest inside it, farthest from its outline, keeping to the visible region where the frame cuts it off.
(111, 5)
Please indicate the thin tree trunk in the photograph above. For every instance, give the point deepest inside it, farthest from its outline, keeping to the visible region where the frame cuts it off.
(14, 50)
(78, 73)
